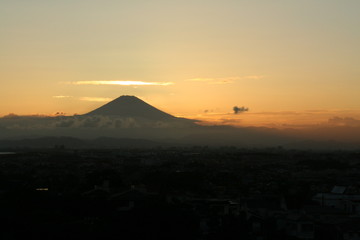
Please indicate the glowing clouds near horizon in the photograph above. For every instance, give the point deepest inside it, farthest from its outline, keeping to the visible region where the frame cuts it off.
(122, 83)
(89, 99)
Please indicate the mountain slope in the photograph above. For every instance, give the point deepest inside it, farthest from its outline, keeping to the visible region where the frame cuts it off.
(131, 106)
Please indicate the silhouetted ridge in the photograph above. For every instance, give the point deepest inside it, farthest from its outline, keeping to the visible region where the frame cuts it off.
(131, 106)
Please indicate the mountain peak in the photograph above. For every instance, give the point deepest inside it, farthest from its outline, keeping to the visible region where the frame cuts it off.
(128, 99)
(131, 106)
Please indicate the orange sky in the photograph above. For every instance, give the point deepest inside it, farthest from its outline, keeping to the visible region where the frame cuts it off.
(289, 62)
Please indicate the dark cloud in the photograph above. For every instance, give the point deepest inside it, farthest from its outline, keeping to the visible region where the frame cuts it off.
(240, 109)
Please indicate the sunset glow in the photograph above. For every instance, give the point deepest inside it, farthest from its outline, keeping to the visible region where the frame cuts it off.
(188, 58)
(122, 83)
(95, 99)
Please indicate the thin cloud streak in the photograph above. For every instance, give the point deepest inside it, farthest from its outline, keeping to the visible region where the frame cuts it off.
(60, 96)
(122, 83)
(254, 77)
(95, 99)
(89, 99)
(214, 80)
(225, 80)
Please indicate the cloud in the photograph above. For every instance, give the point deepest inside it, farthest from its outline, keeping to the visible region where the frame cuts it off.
(225, 80)
(95, 99)
(229, 121)
(254, 77)
(121, 83)
(279, 113)
(240, 109)
(61, 96)
(89, 99)
(346, 121)
(10, 116)
(49, 123)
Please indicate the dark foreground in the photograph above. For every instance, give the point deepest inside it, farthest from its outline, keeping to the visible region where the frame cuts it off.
(180, 193)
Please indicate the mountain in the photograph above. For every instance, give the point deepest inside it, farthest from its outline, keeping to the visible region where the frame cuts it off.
(131, 106)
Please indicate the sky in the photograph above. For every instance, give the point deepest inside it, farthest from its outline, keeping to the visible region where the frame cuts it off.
(290, 62)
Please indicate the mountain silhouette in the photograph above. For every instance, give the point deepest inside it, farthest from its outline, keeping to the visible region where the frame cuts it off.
(131, 106)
